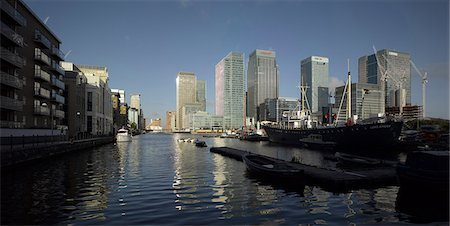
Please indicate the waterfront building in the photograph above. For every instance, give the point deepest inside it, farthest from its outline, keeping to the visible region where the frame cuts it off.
(275, 109)
(170, 121)
(75, 96)
(367, 101)
(262, 80)
(185, 93)
(133, 118)
(135, 101)
(314, 75)
(99, 116)
(201, 93)
(99, 71)
(230, 91)
(189, 108)
(120, 108)
(32, 89)
(204, 120)
(398, 69)
(154, 125)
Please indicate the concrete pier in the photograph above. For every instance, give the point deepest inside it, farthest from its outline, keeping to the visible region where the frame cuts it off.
(332, 179)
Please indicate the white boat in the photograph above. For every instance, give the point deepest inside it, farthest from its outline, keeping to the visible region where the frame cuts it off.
(123, 135)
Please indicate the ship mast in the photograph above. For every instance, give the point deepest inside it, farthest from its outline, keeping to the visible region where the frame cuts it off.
(349, 92)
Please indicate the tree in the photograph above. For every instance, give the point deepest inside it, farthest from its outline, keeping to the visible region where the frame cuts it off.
(133, 125)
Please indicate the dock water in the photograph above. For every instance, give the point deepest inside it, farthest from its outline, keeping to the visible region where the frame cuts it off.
(334, 180)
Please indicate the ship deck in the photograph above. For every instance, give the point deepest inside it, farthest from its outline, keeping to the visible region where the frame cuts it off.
(335, 180)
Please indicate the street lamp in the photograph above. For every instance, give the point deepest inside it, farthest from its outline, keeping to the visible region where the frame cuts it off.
(78, 123)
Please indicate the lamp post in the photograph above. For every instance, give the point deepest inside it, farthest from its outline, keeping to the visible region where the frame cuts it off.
(78, 123)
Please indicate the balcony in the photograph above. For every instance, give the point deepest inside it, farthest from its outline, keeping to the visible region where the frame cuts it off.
(41, 110)
(11, 35)
(40, 38)
(11, 124)
(56, 67)
(39, 55)
(39, 73)
(11, 103)
(58, 83)
(12, 58)
(58, 53)
(13, 13)
(59, 114)
(11, 80)
(42, 92)
(58, 98)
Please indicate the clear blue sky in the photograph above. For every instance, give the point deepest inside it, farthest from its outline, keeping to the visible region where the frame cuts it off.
(145, 43)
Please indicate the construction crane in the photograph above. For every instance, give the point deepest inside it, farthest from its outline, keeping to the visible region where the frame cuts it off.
(424, 86)
(397, 83)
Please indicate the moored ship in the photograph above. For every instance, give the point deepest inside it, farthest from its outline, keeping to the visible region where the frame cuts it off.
(374, 133)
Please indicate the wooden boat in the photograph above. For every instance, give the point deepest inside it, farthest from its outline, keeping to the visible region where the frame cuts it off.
(200, 143)
(360, 160)
(269, 167)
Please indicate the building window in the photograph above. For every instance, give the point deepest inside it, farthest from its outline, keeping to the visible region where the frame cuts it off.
(89, 102)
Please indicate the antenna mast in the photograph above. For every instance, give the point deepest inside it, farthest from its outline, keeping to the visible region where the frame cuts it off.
(349, 92)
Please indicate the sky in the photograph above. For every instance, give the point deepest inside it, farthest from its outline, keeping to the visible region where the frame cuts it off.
(144, 44)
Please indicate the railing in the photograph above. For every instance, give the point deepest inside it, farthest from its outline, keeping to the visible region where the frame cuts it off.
(42, 92)
(11, 34)
(41, 110)
(59, 114)
(11, 124)
(39, 55)
(12, 57)
(39, 37)
(11, 103)
(39, 73)
(58, 83)
(11, 80)
(13, 13)
(60, 99)
(57, 52)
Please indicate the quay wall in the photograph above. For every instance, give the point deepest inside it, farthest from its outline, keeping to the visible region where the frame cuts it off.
(12, 155)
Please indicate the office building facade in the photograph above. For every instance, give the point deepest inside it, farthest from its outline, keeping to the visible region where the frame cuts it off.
(262, 79)
(367, 101)
(185, 93)
(31, 76)
(230, 91)
(274, 109)
(170, 121)
(201, 93)
(398, 67)
(314, 74)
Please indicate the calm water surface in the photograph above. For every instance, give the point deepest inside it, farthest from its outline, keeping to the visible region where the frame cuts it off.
(156, 180)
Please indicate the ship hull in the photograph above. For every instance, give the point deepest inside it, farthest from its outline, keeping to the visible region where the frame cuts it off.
(367, 136)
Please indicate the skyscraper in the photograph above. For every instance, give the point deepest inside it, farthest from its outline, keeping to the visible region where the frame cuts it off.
(230, 92)
(262, 79)
(314, 74)
(186, 93)
(201, 94)
(397, 66)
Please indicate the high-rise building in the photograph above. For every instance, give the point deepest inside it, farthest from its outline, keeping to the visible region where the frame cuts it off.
(121, 94)
(230, 91)
(201, 94)
(31, 77)
(314, 74)
(186, 93)
(262, 79)
(170, 121)
(135, 101)
(398, 68)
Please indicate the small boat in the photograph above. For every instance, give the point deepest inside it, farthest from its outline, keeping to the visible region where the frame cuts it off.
(200, 143)
(269, 167)
(254, 137)
(315, 141)
(123, 135)
(180, 140)
(349, 159)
